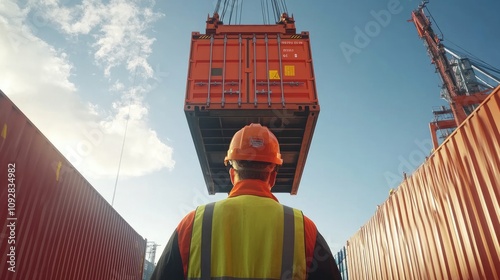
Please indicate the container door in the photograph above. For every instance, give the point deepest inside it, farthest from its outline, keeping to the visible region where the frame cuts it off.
(215, 75)
(282, 71)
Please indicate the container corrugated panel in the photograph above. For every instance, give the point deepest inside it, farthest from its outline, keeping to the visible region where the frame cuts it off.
(55, 225)
(243, 74)
(250, 71)
(443, 221)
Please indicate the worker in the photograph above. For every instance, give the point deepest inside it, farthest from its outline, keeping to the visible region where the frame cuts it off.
(248, 235)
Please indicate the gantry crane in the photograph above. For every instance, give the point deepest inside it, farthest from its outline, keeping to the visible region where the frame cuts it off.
(463, 91)
(151, 251)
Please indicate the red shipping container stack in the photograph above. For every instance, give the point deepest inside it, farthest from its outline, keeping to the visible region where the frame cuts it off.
(55, 225)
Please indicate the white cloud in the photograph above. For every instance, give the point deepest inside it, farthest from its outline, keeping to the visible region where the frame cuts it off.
(117, 86)
(118, 28)
(37, 77)
(144, 152)
(89, 15)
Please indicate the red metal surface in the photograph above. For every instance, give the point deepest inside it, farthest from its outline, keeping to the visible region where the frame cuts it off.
(443, 221)
(258, 65)
(63, 228)
(251, 73)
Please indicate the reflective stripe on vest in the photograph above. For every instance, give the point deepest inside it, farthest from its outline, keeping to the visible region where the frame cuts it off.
(261, 247)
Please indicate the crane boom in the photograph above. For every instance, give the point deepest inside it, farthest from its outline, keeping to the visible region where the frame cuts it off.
(460, 101)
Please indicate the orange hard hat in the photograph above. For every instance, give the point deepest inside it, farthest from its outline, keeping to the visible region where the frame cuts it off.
(254, 142)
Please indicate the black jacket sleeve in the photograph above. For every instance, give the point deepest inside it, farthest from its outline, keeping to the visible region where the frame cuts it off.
(169, 267)
(323, 265)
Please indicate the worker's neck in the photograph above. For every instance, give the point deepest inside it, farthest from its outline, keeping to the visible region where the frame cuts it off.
(252, 187)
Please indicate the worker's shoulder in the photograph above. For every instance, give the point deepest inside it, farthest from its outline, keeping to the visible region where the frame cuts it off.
(187, 221)
(308, 222)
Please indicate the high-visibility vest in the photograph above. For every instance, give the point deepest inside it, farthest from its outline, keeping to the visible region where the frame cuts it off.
(247, 237)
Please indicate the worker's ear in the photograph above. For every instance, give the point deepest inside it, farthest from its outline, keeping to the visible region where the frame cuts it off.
(272, 178)
(231, 175)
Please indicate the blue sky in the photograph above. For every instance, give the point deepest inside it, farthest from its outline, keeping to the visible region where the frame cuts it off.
(76, 68)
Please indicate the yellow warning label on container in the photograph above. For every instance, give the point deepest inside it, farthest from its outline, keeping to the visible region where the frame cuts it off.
(4, 131)
(290, 70)
(274, 75)
(58, 170)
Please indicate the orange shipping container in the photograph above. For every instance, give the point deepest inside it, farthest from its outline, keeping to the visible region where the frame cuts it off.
(240, 74)
(443, 221)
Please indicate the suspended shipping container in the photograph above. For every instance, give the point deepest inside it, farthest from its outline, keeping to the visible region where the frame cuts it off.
(443, 221)
(55, 225)
(239, 74)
